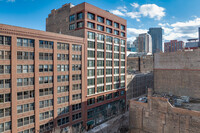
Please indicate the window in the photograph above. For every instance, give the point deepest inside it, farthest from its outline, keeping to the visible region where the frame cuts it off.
(108, 71)
(71, 26)
(108, 87)
(108, 47)
(116, 94)
(116, 48)
(100, 19)
(72, 18)
(90, 16)
(90, 82)
(109, 39)
(91, 72)
(80, 24)
(46, 115)
(76, 87)
(4, 112)
(5, 69)
(76, 77)
(76, 116)
(90, 91)
(5, 40)
(108, 79)
(100, 89)
(46, 44)
(100, 37)
(25, 108)
(76, 57)
(116, 63)
(100, 27)
(45, 79)
(25, 121)
(116, 32)
(108, 55)
(46, 103)
(100, 45)
(91, 44)
(62, 68)
(76, 106)
(91, 53)
(76, 67)
(100, 99)
(116, 25)
(91, 35)
(100, 54)
(122, 49)
(108, 30)
(116, 71)
(23, 55)
(63, 110)
(100, 80)
(108, 22)
(90, 25)
(46, 91)
(109, 96)
(100, 72)
(122, 34)
(25, 81)
(62, 121)
(61, 89)
(62, 78)
(63, 99)
(100, 63)
(76, 47)
(116, 56)
(62, 57)
(122, 27)
(79, 15)
(76, 97)
(62, 46)
(25, 95)
(48, 126)
(91, 63)
(25, 42)
(116, 40)
(5, 126)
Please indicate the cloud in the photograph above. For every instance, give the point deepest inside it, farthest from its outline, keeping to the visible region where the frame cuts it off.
(181, 30)
(117, 12)
(133, 33)
(135, 5)
(152, 10)
(146, 10)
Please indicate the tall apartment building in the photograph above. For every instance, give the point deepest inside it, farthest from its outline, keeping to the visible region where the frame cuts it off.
(144, 43)
(104, 55)
(156, 34)
(173, 46)
(41, 80)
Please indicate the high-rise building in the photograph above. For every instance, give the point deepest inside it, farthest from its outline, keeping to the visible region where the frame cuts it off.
(103, 92)
(41, 80)
(192, 43)
(156, 35)
(173, 46)
(144, 43)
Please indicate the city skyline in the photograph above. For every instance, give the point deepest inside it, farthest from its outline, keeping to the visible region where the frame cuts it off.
(140, 15)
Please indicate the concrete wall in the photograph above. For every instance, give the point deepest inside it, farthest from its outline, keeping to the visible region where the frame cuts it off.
(178, 73)
(158, 116)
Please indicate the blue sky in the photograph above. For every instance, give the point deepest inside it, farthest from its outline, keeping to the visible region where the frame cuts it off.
(180, 19)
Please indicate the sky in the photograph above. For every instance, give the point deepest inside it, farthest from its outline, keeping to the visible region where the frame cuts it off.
(179, 19)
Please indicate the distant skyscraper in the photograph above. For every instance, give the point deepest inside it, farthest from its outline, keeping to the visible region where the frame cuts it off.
(156, 35)
(145, 43)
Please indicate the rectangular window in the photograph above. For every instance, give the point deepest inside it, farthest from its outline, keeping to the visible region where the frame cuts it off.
(100, 45)
(91, 72)
(108, 47)
(80, 24)
(116, 32)
(100, 19)
(109, 39)
(116, 25)
(71, 26)
(122, 27)
(90, 91)
(91, 54)
(79, 15)
(91, 35)
(122, 34)
(100, 54)
(90, 25)
(108, 30)
(108, 22)
(90, 82)
(100, 27)
(108, 87)
(91, 44)
(72, 18)
(91, 101)
(91, 63)
(100, 99)
(100, 37)
(90, 16)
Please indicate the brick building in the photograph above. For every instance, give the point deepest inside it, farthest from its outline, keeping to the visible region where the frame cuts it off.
(41, 80)
(173, 46)
(51, 81)
(104, 53)
(158, 115)
(141, 64)
(177, 73)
